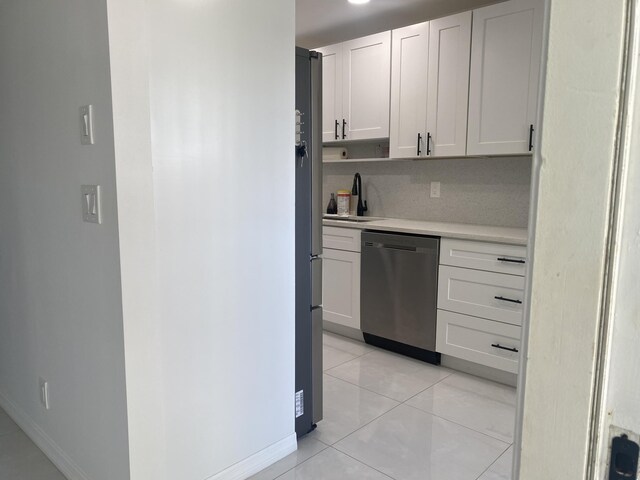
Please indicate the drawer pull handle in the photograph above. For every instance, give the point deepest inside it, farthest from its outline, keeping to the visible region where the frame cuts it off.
(510, 349)
(504, 299)
(510, 260)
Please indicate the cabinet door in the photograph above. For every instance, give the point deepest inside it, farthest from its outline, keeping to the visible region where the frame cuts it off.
(366, 86)
(505, 62)
(410, 52)
(331, 92)
(448, 92)
(341, 287)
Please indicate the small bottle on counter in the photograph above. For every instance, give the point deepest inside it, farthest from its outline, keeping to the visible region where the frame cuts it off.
(332, 208)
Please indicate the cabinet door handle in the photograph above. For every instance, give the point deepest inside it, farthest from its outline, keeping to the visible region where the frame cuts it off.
(336, 131)
(428, 143)
(504, 299)
(419, 142)
(344, 126)
(510, 260)
(530, 137)
(509, 349)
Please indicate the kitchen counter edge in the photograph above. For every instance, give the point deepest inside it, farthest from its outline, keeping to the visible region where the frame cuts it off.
(486, 233)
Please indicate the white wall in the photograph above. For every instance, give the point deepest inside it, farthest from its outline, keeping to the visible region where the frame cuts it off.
(222, 103)
(575, 168)
(128, 48)
(60, 302)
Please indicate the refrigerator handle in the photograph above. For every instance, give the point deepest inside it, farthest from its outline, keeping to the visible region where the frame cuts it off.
(315, 134)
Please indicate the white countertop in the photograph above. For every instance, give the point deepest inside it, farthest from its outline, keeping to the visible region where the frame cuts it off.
(487, 233)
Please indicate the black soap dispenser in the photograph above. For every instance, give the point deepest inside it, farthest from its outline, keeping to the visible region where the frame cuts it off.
(332, 208)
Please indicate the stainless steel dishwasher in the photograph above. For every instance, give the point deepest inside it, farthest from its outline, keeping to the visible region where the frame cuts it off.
(399, 287)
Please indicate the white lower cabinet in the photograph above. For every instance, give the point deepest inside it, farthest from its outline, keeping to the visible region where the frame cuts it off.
(341, 276)
(478, 340)
(490, 295)
(480, 306)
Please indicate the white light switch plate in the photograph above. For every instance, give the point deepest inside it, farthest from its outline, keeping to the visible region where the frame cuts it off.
(91, 203)
(435, 189)
(86, 125)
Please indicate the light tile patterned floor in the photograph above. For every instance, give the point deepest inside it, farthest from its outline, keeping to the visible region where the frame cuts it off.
(387, 416)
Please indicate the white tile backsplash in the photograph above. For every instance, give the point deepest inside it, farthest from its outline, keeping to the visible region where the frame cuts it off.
(488, 191)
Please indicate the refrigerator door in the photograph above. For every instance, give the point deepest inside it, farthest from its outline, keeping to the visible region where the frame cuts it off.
(308, 260)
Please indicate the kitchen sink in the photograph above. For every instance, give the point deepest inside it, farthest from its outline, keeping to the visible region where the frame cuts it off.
(350, 218)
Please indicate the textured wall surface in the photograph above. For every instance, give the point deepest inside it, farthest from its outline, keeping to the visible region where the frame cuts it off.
(489, 191)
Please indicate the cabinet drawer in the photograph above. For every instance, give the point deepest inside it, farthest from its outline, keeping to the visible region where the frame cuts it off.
(495, 296)
(479, 340)
(341, 238)
(493, 257)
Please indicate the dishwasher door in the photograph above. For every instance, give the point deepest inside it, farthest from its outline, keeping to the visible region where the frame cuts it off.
(399, 286)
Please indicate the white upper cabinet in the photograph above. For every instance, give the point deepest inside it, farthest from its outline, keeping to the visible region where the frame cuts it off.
(331, 92)
(366, 86)
(505, 64)
(409, 57)
(430, 88)
(448, 91)
(356, 89)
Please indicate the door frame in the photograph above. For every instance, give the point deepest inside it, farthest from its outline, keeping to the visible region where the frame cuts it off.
(584, 457)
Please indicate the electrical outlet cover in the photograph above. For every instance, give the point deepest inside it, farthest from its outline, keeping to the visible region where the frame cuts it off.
(86, 125)
(91, 211)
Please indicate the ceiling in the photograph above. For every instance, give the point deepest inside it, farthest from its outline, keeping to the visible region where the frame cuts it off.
(323, 22)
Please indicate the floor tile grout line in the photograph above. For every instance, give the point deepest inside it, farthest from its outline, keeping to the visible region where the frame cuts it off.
(365, 464)
(339, 451)
(360, 386)
(461, 425)
(368, 347)
(445, 418)
(494, 462)
(378, 393)
(430, 386)
(364, 425)
(508, 445)
(404, 402)
(356, 355)
(307, 459)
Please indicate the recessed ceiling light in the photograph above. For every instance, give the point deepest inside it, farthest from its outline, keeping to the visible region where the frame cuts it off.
(358, 2)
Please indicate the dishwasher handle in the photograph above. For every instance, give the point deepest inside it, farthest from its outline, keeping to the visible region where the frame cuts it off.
(391, 246)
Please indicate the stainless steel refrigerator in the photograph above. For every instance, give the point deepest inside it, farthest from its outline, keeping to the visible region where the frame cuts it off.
(308, 254)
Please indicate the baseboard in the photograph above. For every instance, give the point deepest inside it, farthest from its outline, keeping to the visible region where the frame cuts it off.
(352, 333)
(44, 442)
(259, 461)
(471, 368)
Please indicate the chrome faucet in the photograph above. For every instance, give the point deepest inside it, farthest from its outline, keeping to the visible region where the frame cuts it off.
(357, 190)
